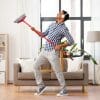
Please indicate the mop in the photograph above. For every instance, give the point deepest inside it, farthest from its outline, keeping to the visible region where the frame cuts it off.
(22, 19)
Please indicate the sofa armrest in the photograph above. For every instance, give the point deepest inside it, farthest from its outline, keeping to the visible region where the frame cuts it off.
(85, 72)
(17, 68)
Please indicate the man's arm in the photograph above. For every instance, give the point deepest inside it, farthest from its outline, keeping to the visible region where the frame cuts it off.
(69, 42)
(68, 36)
(38, 32)
(42, 34)
(58, 47)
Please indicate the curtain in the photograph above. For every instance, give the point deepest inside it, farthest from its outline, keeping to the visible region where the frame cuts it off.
(29, 42)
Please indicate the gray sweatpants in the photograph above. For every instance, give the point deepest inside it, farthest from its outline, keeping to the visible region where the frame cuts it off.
(53, 58)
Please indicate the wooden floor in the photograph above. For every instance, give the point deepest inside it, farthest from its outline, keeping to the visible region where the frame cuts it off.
(27, 93)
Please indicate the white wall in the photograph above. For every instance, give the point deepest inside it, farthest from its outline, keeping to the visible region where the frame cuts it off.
(95, 25)
(8, 13)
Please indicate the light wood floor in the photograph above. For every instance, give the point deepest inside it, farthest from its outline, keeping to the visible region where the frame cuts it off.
(27, 93)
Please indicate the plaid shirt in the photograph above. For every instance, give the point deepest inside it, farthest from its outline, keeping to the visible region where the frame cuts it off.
(55, 33)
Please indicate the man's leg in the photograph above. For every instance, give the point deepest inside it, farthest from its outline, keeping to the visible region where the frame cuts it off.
(40, 60)
(55, 63)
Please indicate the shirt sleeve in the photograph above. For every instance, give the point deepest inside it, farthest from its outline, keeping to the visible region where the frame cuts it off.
(45, 33)
(68, 36)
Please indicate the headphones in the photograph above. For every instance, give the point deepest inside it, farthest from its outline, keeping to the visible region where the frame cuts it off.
(64, 15)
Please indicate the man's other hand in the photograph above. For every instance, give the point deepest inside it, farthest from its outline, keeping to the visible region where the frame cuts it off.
(58, 47)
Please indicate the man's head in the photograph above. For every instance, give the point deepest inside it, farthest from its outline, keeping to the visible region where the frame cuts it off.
(62, 16)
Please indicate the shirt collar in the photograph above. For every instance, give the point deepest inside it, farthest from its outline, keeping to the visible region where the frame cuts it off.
(60, 23)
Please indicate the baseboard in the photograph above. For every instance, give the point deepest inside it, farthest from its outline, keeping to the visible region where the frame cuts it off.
(10, 82)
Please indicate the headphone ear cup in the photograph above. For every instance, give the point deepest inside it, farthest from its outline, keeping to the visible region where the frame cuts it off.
(67, 16)
(63, 16)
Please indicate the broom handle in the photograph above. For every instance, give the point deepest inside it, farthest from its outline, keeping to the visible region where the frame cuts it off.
(37, 33)
(27, 23)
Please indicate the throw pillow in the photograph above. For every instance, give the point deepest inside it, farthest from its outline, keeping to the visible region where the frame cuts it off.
(74, 65)
(26, 64)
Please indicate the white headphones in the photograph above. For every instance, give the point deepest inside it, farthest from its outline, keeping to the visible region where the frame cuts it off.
(64, 15)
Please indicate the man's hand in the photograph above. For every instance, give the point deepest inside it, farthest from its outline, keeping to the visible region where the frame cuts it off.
(36, 31)
(58, 47)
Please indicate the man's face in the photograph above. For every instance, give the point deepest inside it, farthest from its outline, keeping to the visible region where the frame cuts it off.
(60, 17)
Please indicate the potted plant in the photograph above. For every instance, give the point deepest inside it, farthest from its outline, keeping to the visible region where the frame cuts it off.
(68, 53)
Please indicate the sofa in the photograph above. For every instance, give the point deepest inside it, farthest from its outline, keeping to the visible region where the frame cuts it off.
(78, 78)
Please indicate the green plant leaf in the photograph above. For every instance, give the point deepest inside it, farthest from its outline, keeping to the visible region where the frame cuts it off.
(94, 61)
(74, 45)
(75, 50)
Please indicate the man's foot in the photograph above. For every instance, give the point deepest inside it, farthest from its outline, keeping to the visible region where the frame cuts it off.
(40, 90)
(63, 93)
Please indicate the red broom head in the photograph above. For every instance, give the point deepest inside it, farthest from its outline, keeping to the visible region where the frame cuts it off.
(20, 19)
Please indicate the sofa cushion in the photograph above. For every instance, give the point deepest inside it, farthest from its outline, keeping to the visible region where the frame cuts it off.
(26, 64)
(74, 65)
(47, 65)
(69, 75)
(30, 76)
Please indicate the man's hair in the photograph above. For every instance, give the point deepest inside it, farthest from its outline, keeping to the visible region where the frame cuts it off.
(66, 15)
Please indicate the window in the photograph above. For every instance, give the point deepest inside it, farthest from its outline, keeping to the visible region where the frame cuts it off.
(47, 6)
(72, 6)
(79, 22)
(86, 29)
(86, 8)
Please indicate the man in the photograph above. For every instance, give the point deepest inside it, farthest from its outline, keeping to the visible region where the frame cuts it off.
(54, 33)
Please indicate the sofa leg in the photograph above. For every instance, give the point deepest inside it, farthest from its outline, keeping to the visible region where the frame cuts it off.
(83, 88)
